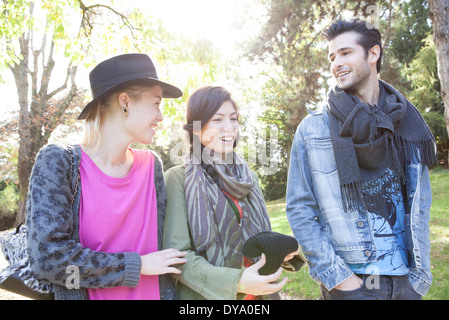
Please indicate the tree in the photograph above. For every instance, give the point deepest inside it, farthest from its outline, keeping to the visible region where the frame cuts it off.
(410, 64)
(81, 32)
(32, 72)
(297, 72)
(424, 93)
(421, 71)
(408, 26)
(297, 68)
(411, 26)
(439, 12)
(32, 32)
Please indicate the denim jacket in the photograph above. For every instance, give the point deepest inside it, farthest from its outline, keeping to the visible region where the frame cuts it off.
(330, 238)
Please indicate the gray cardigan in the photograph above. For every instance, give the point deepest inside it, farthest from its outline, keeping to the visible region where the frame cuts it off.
(53, 243)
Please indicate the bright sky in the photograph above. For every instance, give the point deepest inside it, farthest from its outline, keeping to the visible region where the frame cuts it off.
(218, 20)
(221, 21)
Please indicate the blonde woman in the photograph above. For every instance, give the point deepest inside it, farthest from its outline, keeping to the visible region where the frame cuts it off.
(96, 210)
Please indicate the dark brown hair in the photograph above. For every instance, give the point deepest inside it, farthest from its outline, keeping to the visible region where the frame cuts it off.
(202, 106)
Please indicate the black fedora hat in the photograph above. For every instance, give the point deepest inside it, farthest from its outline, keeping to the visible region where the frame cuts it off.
(123, 71)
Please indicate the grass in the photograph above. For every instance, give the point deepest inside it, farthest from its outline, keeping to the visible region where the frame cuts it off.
(439, 234)
(301, 286)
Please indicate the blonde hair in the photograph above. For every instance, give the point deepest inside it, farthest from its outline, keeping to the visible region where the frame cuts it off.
(91, 137)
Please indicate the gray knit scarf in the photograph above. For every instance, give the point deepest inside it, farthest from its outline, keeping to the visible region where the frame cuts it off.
(367, 140)
(212, 217)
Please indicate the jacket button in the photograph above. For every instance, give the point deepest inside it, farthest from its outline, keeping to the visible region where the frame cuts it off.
(360, 224)
(367, 253)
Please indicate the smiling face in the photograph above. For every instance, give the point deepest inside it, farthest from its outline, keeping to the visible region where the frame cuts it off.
(144, 114)
(221, 131)
(351, 66)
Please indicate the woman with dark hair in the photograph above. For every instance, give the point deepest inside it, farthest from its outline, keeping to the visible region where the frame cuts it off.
(215, 204)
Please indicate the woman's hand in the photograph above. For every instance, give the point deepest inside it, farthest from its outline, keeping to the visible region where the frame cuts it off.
(251, 282)
(291, 255)
(161, 262)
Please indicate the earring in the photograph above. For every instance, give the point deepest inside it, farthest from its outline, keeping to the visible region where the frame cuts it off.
(125, 110)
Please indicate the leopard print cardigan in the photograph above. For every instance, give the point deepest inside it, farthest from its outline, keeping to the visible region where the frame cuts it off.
(54, 248)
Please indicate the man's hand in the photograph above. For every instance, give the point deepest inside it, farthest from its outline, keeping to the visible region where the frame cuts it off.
(352, 283)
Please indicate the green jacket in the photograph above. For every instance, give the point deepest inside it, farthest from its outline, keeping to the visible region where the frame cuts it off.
(199, 279)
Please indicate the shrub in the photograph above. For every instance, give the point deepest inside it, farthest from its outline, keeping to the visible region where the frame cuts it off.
(9, 199)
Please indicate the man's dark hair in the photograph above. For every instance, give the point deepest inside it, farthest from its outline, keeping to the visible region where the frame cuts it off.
(369, 36)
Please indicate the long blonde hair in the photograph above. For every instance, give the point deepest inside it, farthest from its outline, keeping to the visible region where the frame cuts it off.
(91, 137)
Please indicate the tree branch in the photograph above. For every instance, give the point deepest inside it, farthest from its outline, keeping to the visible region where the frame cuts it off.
(85, 19)
(47, 69)
(387, 33)
(70, 72)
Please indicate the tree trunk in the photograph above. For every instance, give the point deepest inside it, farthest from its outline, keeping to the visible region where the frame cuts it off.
(40, 113)
(20, 72)
(38, 118)
(439, 14)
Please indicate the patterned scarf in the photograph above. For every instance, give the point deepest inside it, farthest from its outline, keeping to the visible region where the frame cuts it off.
(367, 140)
(211, 216)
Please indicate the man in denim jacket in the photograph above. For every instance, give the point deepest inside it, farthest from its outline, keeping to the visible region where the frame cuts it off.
(358, 192)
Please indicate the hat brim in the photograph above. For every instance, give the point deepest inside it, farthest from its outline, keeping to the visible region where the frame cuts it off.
(168, 91)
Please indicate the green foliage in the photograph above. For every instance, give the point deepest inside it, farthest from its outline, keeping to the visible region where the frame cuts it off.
(8, 161)
(14, 20)
(437, 125)
(184, 62)
(411, 26)
(424, 93)
(9, 199)
(296, 71)
(54, 17)
(41, 34)
(422, 73)
(289, 45)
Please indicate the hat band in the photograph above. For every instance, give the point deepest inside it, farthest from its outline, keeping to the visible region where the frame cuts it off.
(105, 86)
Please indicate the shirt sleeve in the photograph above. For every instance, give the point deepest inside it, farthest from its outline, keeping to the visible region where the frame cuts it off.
(302, 210)
(211, 282)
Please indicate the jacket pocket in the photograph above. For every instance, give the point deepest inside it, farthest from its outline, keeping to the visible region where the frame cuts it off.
(321, 156)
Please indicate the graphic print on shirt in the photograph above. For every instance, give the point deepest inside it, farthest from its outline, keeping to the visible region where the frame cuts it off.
(386, 213)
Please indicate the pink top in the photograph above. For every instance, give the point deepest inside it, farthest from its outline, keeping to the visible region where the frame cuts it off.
(120, 215)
